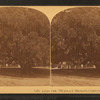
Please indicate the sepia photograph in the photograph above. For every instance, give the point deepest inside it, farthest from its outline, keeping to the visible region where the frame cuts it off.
(75, 47)
(50, 49)
(24, 47)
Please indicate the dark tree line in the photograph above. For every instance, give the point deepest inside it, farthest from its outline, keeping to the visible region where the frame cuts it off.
(76, 36)
(24, 37)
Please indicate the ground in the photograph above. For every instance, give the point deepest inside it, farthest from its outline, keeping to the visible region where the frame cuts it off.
(86, 77)
(41, 77)
(13, 81)
(15, 77)
(75, 81)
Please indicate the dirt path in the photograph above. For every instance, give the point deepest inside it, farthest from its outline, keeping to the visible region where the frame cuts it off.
(16, 81)
(74, 81)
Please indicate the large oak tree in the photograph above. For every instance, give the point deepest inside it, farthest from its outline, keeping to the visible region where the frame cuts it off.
(24, 37)
(76, 36)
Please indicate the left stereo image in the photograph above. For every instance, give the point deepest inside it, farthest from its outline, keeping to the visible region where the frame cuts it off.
(24, 47)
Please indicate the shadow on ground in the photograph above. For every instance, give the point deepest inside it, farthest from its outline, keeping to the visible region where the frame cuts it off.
(18, 72)
(93, 73)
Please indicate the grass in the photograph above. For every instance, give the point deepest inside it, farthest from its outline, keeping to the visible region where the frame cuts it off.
(77, 72)
(18, 72)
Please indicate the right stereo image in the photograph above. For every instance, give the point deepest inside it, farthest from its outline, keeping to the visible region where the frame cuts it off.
(75, 47)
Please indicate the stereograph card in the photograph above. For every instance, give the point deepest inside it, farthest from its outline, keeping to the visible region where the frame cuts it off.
(50, 49)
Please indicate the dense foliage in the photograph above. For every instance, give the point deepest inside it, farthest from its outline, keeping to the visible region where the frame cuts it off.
(76, 36)
(24, 37)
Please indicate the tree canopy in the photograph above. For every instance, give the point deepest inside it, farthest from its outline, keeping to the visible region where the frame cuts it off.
(24, 36)
(75, 35)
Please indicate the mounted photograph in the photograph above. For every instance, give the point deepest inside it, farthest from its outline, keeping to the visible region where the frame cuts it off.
(75, 47)
(24, 47)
